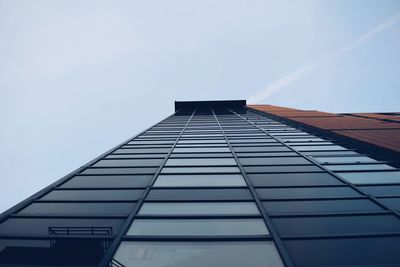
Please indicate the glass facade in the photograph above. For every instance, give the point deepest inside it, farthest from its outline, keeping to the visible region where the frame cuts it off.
(214, 185)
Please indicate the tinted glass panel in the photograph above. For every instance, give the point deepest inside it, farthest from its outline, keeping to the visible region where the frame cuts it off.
(261, 149)
(383, 190)
(199, 254)
(200, 170)
(61, 252)
(128, 162)
(344, 159)
(293, 179)
(93, 195)
(274, 161)
(201, 149)
(200, 180)
(119, 171)
(393, 203)
(371, 177)
(42, 226)
(379, 251)
(112, 181)
(358, 167)
(78, 208)
(317, 148)
(320, 206)
(266, 169)
(337, 225)
(200, 208)
(200, 162)
(306, 192)
(200, 194)
(191, 227)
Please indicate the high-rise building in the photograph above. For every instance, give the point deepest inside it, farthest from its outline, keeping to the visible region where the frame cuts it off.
(219, 183)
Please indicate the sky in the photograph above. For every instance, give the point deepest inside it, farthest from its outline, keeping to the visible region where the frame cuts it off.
(79, 77)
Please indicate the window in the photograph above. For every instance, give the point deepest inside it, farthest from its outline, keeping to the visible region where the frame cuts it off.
(200, 180)
(274, 161)
(200, 162)
(306, 192)
(200, 170)
(371, 177)
(40, 226)
(371, 251)
(78, 208)
(201, 149)
(261, 149)
(282, 168)
(360, 159)
(358, 167)
(128, 162)
(203, 208)
(320, 206)
(293, 179)
(209, 194)
(317, 148)
(198, 227)
(88, 195)
(337, 225)
(119, 170)
(382, 190)
(108, 181)
(199, 254)
(142, 150)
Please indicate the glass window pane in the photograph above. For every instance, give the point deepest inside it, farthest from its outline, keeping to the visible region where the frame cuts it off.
(82, 252)
(199, 254)
(128, 162)
(194, 227)
(88, 195)
(359, 159)
(200, 162)
(337, 225)
(200, 170)
(108, 181)
(41, 226)
(371, 177)
(371, 251)
(200, 194)
(200, 180)
(320, 206)
(274, 161)
(317, 148)
(358, 167)
(382, 190)
(201, 149)
(306, 192)
(203, 208)
(282, 168)
(293, 179)
(119, 171)
(78, 208)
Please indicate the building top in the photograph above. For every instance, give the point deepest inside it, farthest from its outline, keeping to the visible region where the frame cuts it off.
(378, 129)
(209, 104)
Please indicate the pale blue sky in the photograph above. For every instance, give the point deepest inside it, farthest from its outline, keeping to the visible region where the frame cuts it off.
(78, 77)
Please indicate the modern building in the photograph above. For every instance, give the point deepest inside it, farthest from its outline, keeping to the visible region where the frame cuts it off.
(219, 183)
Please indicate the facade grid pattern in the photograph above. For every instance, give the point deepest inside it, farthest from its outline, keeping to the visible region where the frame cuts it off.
(220, 185)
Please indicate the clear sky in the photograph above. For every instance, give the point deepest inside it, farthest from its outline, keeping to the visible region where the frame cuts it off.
(79, 77)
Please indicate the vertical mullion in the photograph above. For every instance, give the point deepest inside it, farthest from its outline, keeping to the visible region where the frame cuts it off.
(267, 220)
(354, 187)
(108, 256)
